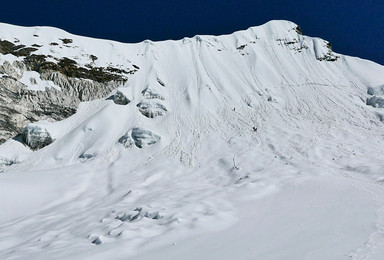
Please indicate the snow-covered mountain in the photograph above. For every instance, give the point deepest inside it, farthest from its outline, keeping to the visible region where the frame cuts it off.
(261, 144)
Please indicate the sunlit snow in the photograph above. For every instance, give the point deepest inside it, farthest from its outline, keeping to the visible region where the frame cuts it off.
(266, 150)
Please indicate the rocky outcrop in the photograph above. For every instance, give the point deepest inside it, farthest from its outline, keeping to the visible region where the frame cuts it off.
(137, 214)
(7, 47)
(151, 109)
(120, 99)
(377, 99)
(330, 55)
(5, 162)
(36, 137)
(20, 105)
(376, 90)
(376, 102)
(149, 93)
(70, 68)
(126, 140)
(143, 138)
(140, 137)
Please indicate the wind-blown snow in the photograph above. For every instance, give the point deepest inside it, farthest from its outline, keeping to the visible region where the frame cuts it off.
(267, 151)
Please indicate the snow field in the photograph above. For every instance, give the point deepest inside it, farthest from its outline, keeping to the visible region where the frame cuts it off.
(307, 184)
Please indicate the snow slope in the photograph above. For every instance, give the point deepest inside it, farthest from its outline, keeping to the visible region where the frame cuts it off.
(267, 151)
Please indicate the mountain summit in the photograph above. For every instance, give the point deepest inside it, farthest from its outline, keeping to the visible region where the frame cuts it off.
(261, 144)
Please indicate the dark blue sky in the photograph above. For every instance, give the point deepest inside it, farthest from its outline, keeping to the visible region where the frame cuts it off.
(354, 27)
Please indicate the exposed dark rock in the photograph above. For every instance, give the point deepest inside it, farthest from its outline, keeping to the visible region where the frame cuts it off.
(24, 51)
(116, 70)
(54, 111)
(69, 68)
(34, 61)
(129, 216)
(160, 82)
(66, 62)
(375, 102)
(66, 41)
(7, 47)
(20, 106)
(36, 137)
(380, 117)
(143, 138)
(287, 42)
(126, 140)
(376, 90)
(93, 57)
(328, 57)
(120, 99)
(298, 30)
(75, 83)
(97, 241)
(293, 44)
(86, 156)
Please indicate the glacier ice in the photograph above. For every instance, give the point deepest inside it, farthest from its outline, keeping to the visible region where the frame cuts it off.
(36, 137)
(143, 137)
(151, 109)
(120, 99)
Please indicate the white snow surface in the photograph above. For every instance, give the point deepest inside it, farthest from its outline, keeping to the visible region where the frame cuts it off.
(307, 184)
(33, 81)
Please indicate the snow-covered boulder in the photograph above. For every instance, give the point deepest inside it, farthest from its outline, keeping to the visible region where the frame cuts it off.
(126, 140)
(375, 102)
(150, 93)
(376, 90)
(5, 162)
(143, 137)
(151, 109)
(137, 214)
(36, 137)
(120, 99)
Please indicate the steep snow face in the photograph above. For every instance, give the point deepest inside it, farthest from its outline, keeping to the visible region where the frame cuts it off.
(265, 148)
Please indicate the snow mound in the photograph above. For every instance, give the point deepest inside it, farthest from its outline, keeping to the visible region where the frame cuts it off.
(379, 90)
(126, 140)
(150, 93)
(375, 102)
(138, 214)
(143, 138)
(151, 109)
